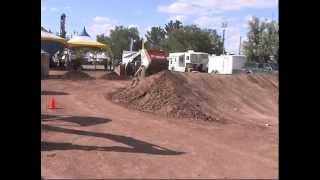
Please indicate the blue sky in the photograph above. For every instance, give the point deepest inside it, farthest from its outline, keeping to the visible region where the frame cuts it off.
(100, 16)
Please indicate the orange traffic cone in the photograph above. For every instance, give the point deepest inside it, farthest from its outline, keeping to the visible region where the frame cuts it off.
(52, 103)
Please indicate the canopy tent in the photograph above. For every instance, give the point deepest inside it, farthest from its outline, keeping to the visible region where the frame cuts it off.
(51, 43)
(51, 37)
(84, 41)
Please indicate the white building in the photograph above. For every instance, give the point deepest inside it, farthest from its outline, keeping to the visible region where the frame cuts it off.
(225, 64)
(182, 61)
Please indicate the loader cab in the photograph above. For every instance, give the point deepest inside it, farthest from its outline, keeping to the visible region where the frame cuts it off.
(133, 65)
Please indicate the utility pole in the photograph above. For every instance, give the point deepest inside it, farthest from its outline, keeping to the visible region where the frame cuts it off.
(131, 44)
(224, 26)
(142, 43)
(240, 46)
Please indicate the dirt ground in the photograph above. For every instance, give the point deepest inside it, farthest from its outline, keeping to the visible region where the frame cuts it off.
(90, 137)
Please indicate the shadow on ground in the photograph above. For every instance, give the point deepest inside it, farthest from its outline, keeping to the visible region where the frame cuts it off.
(53, 93)
(136, 146)
(80, 120)
(53, 77)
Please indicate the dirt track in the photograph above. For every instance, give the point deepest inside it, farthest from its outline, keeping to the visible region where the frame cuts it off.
(88, 136)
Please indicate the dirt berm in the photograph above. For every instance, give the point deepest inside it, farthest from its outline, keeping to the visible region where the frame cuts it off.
(204, 96)
(113, 76)
(77, 75)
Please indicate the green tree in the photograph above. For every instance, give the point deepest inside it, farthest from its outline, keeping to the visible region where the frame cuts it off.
(173, 26)
(263, 40)
(119, 40)
(155, 37)
(192, 38)
(106, 40)
(216, 41)
(251, 46)
(78, 61)
(273, 29)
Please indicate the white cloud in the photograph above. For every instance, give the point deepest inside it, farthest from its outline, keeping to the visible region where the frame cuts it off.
(248, 18)
(179, 7)
(232, 31)
(209, 22)
(181, 18)
(100, 19)
(144, 31)
(101, 25)
(206, 7)
(148, 28)
(54, 9)
(232, 39)
(133, 26)
(96, 29)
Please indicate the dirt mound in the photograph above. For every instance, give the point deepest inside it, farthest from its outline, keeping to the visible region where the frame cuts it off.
(204, 96)
(163, 93)
(77, 75)
(113, 76)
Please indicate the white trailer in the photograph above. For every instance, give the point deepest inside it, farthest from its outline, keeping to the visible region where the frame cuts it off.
(187, 61)
(225, 64)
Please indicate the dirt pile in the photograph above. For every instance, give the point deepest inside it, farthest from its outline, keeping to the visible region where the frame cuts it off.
(164, 93)
(113, 76)
(204, 96)
(77, 75)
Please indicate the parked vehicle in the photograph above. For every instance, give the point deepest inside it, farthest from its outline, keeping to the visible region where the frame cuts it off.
(188, 61)
(142, 63)
(274, 66)
(259, 67)
(250, 68)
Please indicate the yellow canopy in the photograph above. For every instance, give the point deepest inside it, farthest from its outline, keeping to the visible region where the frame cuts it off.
(85, 42)
(51, 37)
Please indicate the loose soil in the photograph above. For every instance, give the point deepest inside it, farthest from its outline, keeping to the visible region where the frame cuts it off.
(91, 137)
(201, 95)
(77, 75)
(113, 76)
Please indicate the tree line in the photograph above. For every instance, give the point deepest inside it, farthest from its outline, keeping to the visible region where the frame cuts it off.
(262, 40)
